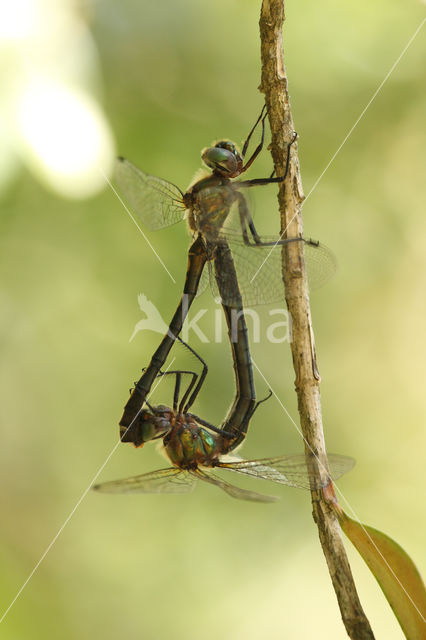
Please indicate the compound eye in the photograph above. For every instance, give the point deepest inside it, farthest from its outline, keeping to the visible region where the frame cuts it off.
(226, 144)
(220, 159)
(153, 426)
(147, 431)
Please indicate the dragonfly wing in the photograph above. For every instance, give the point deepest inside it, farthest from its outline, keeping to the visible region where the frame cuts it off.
(155, 202)
(289, 470)
(224, 281)
(258, 281)
(339, 465)
(259, 269)
(205, 276)
(214, 288)
(321, 264)
(170, 480)
(230, 489)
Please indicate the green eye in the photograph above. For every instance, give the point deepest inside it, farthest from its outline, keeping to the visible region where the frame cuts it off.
(221, 160)
(217, 155)
(147, 431)
(154, 425)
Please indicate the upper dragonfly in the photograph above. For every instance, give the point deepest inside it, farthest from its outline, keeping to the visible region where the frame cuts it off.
(216, 209)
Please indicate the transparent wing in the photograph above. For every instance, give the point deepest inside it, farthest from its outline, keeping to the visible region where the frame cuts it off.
(204, 280)
(289, 470)
(170, 480)
(155, 202)
(259, 270)
(321, 264)
(230, 489)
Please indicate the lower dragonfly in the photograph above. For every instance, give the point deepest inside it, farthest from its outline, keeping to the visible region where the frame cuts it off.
(209, 204)
(194, 451)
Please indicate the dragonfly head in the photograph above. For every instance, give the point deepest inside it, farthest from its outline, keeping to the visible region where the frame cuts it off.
(224, 158)
(152, 425)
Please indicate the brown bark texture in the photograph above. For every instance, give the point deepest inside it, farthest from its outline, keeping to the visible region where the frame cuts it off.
(275, 87)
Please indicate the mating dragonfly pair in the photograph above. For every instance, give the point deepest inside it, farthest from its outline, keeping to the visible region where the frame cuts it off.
(225, 239)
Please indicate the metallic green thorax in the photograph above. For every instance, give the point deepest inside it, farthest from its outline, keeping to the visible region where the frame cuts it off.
(189, 445)
(186, 443)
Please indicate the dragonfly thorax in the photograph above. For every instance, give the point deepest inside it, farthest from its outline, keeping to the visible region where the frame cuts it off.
(209, 202)
(189, 445)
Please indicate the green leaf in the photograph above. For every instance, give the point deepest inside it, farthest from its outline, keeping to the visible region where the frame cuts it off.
(395, 572)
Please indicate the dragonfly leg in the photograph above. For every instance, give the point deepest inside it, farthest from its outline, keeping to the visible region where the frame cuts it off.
(176, 391)
(187, 392)
(184, 407)
(178, 373)
(210, 426)
(150, 407)
(247, 221)
(201, 378)
(246, 143)
(271, 180)
(259, 146)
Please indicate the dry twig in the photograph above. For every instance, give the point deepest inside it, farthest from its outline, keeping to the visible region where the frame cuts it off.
(274, 86)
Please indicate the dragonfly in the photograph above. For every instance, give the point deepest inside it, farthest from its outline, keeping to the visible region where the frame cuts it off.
(220, 221)
(196, 448)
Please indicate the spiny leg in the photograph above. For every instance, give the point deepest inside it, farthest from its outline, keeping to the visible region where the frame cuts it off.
(184, 407)
(260, 181)
(178, 373)
(176, 391)
(247, 221)
(210, 426)
(246, 143)
(258, 148)
(201, 378)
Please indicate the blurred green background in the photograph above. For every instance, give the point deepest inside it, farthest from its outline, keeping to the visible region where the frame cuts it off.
(176, 76)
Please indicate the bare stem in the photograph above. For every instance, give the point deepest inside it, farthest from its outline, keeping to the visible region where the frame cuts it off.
(274, 86)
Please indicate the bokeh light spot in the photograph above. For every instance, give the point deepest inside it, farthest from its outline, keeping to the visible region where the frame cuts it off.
(66, 137)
